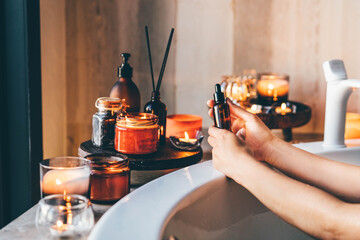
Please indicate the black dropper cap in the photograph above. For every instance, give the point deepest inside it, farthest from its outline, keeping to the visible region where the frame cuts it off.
(125, 70)
(218, 95)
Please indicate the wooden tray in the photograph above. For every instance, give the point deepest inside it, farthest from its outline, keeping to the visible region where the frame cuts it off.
(289, 120)
(167, 157)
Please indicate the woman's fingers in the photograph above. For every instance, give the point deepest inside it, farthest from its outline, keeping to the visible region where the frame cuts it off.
(210, 103)
(210, 112)
(217, 132)
(239, 112)
(241, 134)
(211, 141)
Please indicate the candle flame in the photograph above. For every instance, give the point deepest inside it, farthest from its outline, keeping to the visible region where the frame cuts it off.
(59, 224)
(270, 86)
(186, 135)
(283, 106)
(58, 182)
(253, 107)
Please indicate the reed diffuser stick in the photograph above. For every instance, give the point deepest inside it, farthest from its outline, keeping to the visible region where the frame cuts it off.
(164, 61)
(149, 52)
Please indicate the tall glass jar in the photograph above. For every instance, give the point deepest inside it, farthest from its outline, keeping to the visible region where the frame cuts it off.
(137, 133)
(103, 122)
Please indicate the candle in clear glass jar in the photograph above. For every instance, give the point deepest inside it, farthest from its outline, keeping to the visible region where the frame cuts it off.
(64, 175)
(272, 87)
(137, 133)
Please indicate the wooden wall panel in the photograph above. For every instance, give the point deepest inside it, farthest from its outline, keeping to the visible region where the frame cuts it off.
(53, 77)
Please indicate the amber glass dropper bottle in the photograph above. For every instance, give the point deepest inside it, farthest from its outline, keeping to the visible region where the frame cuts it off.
(125, 88)
(221, 110)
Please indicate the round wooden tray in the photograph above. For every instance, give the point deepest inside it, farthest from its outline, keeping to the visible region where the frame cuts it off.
(167, 157)
(289, 120)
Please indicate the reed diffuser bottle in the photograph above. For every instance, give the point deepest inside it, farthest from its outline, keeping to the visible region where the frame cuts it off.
(125, 88)
(155, 106)
(221, 110)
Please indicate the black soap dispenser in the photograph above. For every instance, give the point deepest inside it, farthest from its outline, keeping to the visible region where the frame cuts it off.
(157, 107)
(124, 88)
(221, 110)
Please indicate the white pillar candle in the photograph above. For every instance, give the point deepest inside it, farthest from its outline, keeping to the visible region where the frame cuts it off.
(66, 181)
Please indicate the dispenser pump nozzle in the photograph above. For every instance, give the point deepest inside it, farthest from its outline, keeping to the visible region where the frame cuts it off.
(125, 70)
(218, 95)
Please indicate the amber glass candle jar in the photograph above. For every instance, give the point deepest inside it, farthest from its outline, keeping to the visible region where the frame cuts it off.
(109, 178)
(137, 133)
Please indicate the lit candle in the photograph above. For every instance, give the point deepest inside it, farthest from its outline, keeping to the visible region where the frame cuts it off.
(177, 124)
(255, 108)
(66, 181)
(137, 134)
(283, 109)
(187, 139)
(274, 88)
(62, 230)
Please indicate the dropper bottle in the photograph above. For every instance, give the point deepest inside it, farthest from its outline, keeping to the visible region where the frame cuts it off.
(221, 110)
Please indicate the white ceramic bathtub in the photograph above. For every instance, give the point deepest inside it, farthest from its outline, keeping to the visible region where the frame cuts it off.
(198, 202)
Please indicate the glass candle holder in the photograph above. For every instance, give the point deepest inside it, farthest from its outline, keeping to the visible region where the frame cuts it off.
(183, 141)
(180, 123)
(110, 177)
(240, 89)
(272, 87)
(64, 217)
(65, 175)
(137, 133)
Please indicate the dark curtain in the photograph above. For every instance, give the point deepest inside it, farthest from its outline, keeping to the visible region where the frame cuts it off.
(20, 114)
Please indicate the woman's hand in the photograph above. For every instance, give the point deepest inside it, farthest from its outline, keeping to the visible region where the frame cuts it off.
(249, 127)
(230, 153)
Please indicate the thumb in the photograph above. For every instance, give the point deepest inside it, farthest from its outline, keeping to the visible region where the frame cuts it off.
(240, 112)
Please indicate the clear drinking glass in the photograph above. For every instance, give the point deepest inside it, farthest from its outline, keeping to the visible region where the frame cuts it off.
(65, 175)
(64, 217)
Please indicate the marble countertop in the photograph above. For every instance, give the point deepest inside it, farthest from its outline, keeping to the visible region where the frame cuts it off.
(23, 227)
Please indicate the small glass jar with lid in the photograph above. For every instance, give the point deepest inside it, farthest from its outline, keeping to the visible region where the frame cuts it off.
(137, 133)
(103, 122)
(109, 178)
